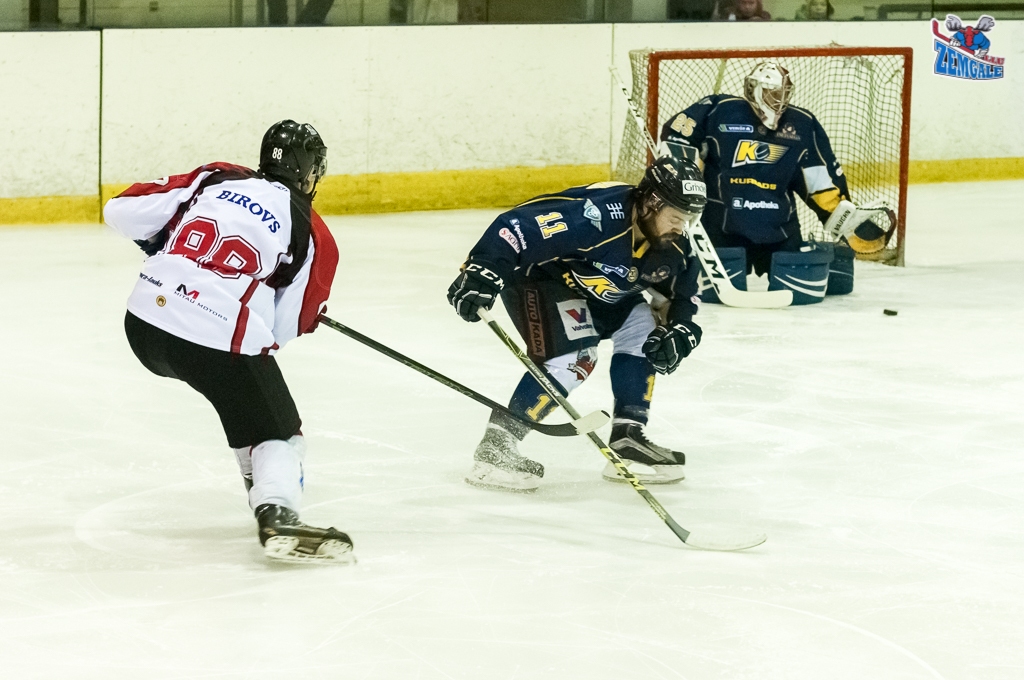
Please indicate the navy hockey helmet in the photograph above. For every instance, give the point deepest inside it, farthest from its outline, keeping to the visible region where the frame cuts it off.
(294, 154)
(673, 181)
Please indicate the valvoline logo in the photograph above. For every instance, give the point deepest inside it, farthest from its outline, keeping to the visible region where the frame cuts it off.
(965, 53)
(579, 315)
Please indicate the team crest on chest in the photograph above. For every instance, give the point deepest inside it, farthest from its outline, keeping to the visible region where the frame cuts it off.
(600, 287)
(753, 152)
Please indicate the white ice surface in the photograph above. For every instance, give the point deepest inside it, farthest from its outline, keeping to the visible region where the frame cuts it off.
(881, 455)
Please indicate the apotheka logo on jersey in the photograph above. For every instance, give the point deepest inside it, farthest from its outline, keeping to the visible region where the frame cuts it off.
(964, 53)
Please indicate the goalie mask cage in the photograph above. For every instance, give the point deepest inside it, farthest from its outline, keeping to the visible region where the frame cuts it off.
(861, 96)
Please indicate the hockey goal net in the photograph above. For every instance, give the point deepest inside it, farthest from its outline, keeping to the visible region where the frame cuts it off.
(860, 95)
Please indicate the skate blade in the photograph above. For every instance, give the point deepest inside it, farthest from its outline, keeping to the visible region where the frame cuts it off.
(487, 476)
(647, 474)
(290, 549)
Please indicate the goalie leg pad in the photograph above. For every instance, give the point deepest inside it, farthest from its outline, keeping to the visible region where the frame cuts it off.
(840, 271)
(804, 273)
(735, 262)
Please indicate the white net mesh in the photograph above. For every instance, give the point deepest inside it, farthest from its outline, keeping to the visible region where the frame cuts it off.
(857, 98)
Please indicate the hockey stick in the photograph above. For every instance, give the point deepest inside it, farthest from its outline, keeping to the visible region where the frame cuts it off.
(706, 253)
(696, 540)
(578, 425)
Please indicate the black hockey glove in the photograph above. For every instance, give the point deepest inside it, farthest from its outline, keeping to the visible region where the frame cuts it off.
(154, 244)
(476, 287)
(667, 345)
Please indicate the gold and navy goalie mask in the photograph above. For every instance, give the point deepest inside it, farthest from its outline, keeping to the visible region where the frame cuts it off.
(768, 88)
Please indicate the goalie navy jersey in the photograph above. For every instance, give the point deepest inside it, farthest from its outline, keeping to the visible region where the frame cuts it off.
(753, 173)
(583, 236)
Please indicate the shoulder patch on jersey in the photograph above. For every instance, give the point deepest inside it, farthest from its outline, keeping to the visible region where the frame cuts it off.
(592, 213)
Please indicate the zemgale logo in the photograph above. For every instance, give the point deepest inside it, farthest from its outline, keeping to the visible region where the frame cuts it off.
(965, 53)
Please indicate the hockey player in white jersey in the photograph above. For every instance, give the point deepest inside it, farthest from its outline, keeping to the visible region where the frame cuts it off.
(239, 264)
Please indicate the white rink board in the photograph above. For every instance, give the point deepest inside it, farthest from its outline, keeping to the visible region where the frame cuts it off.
(406, 99)
(49, 112)
(881, 455)
(401, 99)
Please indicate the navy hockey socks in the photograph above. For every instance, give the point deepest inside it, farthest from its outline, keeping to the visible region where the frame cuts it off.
(633, 386)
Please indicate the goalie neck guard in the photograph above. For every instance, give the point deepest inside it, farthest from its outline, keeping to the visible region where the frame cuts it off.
(294, 154)
(768, 88)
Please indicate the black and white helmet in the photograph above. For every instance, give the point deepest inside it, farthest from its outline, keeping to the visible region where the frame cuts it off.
(294, 154)
(676, 182)
(768, 88)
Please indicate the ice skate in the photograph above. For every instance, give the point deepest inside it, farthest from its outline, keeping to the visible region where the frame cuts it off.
(650, 463)
(498, 465)
(285, 538)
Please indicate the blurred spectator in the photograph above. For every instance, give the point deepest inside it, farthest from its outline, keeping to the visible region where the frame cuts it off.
(815, 10)
(313, 13)
(743, 10)
(691, 10)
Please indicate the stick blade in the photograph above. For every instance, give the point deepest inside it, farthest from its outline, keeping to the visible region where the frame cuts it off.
(591, 422)
(767, 299)
(724, 542)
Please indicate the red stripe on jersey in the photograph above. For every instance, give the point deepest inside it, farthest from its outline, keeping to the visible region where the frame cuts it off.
(165, 184)
(243, 318)
(321, 273)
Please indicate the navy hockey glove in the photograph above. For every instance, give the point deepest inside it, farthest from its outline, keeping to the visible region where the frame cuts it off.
(154, 244)
(476, 287)
(667, 345)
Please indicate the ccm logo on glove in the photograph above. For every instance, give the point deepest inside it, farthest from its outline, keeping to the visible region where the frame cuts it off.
(475, 288)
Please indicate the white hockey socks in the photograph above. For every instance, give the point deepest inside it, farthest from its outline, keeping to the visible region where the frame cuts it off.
(277, 473)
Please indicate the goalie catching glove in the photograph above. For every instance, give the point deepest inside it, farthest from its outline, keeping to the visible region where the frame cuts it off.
(476, 287)
(667, 345)
(847, 217)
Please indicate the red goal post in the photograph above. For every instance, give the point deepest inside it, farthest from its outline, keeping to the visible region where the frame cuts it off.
(861, 96)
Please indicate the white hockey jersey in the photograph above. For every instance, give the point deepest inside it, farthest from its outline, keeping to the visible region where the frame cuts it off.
(247, 265)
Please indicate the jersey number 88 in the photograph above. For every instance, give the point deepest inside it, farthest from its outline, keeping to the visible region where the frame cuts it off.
(229, 256)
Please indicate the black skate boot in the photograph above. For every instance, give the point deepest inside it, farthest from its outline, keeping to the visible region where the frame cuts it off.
(650, 463)
(497, 463)
(284, 537)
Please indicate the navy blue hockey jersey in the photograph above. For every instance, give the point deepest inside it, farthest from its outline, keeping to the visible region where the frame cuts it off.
(752, 172)
(583, 236)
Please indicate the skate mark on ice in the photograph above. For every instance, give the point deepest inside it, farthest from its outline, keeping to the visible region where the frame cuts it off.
(355, 439)
(129, 526)
(842, 624)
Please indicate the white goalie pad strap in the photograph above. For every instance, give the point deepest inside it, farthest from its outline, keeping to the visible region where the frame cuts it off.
(630, 337)
(277, 473)
(847, 217)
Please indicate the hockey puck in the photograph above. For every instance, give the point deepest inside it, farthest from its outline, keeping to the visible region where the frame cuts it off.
(889, 312)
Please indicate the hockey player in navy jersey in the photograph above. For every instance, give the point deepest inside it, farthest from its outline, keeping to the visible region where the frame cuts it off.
(759, 154)
(571, 269)
(239, 264)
